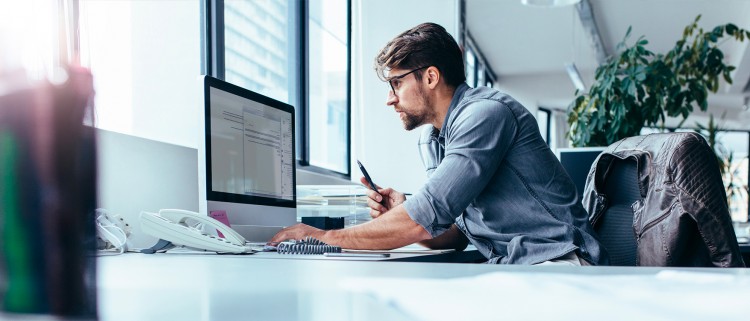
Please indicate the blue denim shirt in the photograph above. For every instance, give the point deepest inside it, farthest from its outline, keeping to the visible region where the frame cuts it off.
(491, 173)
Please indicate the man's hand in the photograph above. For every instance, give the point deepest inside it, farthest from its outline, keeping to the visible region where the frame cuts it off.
(375, 201)
(298, 232)
(391, 231)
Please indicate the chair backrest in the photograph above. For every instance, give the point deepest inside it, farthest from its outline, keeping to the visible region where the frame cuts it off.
(659, 200)
(615, 228)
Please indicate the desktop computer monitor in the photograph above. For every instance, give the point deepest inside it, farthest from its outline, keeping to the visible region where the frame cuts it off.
(577, 163)
(248, 159)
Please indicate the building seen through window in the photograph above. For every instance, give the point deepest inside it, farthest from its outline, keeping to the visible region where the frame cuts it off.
(296, 52)
(258, 37)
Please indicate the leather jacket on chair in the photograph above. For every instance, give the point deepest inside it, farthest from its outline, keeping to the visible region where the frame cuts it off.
(682, 218)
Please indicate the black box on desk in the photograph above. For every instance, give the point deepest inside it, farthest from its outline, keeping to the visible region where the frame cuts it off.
(324, 222)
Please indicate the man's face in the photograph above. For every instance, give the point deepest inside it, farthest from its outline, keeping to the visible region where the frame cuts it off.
(409, 99)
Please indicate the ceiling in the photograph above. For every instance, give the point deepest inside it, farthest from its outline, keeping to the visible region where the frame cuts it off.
(518, 40)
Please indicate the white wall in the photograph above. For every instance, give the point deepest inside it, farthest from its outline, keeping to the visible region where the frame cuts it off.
(378, 138)
(550, 90)
(554, 90)
(166, 104)
(137, 174)
(145, 67)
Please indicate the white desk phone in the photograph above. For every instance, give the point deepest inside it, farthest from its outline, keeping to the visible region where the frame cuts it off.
(172, 225)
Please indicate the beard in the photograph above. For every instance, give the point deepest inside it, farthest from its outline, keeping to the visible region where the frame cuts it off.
(414, 119)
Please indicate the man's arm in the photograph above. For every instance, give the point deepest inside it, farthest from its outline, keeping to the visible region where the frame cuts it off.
(453, 238)
(391, 230)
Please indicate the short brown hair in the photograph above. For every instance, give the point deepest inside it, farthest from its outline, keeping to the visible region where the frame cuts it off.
(427, 44)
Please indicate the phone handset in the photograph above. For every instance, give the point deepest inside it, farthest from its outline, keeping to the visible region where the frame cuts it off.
(171, 225)
(181, 216)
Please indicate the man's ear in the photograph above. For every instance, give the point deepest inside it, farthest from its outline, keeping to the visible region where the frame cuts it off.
(432, 77)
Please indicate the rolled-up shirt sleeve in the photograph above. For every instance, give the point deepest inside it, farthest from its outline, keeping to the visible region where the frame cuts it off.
(476, 143)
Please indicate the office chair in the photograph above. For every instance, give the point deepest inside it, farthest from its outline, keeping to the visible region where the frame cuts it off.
(659, 200)
(615, 228)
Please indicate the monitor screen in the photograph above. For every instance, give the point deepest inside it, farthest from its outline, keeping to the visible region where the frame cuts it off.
(577, 163)
(249, 155)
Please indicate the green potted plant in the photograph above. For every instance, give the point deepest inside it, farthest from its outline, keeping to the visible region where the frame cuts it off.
(637, 88)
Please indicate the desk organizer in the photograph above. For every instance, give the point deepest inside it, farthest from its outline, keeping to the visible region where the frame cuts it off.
(347, 201)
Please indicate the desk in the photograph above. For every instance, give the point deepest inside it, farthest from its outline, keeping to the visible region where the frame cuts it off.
(189, 287)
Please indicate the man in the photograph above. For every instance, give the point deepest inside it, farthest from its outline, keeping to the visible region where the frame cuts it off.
(492, 179)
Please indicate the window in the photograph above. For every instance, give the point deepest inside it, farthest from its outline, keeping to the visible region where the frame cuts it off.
(736, 144)
(489, 79)
(471, 65)
(480, 75)
(328, 89)
(259, 47)
(543, 117)
(296, 52)
(478, 72)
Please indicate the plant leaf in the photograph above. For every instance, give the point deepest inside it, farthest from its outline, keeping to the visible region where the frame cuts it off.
(727, 77)
(731, 29)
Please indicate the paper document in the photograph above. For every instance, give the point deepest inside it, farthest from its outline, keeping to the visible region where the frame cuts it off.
(409, 249)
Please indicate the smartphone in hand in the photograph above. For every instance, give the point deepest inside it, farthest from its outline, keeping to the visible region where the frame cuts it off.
(367, 176)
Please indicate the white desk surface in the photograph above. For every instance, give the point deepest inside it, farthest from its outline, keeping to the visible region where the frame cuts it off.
(189, 287)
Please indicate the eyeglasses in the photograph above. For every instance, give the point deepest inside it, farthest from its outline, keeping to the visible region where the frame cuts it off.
(395, 81)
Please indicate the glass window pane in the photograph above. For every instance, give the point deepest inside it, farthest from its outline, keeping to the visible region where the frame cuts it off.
(470, 65)
(543, 122)
(735, 144)
(260, 47)
(480, 75)
(328, 94)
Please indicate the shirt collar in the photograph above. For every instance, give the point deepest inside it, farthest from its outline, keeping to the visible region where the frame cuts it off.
(457, 96)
